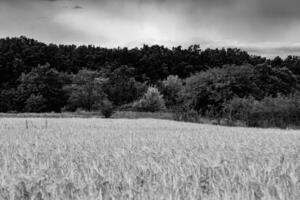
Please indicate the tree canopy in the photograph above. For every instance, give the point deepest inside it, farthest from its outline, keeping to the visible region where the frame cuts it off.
(38, 77)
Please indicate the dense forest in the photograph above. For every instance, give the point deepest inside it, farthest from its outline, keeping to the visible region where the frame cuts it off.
(39, 77)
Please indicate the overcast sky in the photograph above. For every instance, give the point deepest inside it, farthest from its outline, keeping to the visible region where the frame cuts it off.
(266, 27)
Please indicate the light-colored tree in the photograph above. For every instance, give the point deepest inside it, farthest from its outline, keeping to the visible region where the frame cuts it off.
(171, 89)
(152, 101)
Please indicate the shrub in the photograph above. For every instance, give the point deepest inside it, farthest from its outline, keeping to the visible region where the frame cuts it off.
(185, 114)
(122, 88)
(86, 90)
(207, 91)
(152, 101)
(107, 109)
(282, 111)
(44, 83)
(7, 100)
(35, 103)
(126, 107)
(275, 80)
(171, 89)
(238, 109)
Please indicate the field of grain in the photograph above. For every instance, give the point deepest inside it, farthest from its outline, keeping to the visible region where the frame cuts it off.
(145, 159)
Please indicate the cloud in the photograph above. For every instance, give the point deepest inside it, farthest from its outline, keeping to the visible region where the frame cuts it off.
(274, 51)
(279, 9)
(214, 23)
(77, 7)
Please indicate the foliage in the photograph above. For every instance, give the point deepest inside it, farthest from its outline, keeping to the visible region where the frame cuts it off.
(152, 101)
(122, 88)
(210, 89)
(207, 91)
(45, 81)
(172, 89)
(183, 113)
(238, 109)
(107, 109)
(201, 79)
(275, 80)
(35, 103)
(7, 100)
(86, 90)
(282, 111)
(293, 64)
(151, 63)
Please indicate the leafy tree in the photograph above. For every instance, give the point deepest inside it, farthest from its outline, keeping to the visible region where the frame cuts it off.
(293, 64)
(107, 109)
(35, 103)
(86, 90)
(277, 61)
(207, 91)
(275, 80)
(152, 101)
(280, 111)
(42, 81)
(7, 100)
(128, 70)
(122, 88)
(171, 90)
(238, 109)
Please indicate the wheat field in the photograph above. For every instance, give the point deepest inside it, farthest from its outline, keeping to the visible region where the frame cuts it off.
(145, 159)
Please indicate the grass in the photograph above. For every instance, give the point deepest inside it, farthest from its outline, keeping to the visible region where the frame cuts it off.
(81, 159)
(84, 114)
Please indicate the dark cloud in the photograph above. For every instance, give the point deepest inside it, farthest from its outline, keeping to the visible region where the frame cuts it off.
(277, 9)
(77, 7)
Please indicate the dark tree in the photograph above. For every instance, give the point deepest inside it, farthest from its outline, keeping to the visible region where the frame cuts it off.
(24, 72)
(86, 91)
(44, 83)
(122, 88)
(172, 89)
(209, 90)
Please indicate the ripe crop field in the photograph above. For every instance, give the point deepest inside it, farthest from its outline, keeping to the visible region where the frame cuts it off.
(145, 159)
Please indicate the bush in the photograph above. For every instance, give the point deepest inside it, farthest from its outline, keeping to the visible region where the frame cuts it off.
(185, 114)
(126, 107)
(206, 92)
(107, 109)
(282, 111)
(152, 101)
(238, 109)
(35, 103)
(122, 88)
(7, 100)
(44, 84)
(171, 89)
(86, 90)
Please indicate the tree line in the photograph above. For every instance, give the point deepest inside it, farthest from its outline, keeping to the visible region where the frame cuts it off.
(39, 77)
